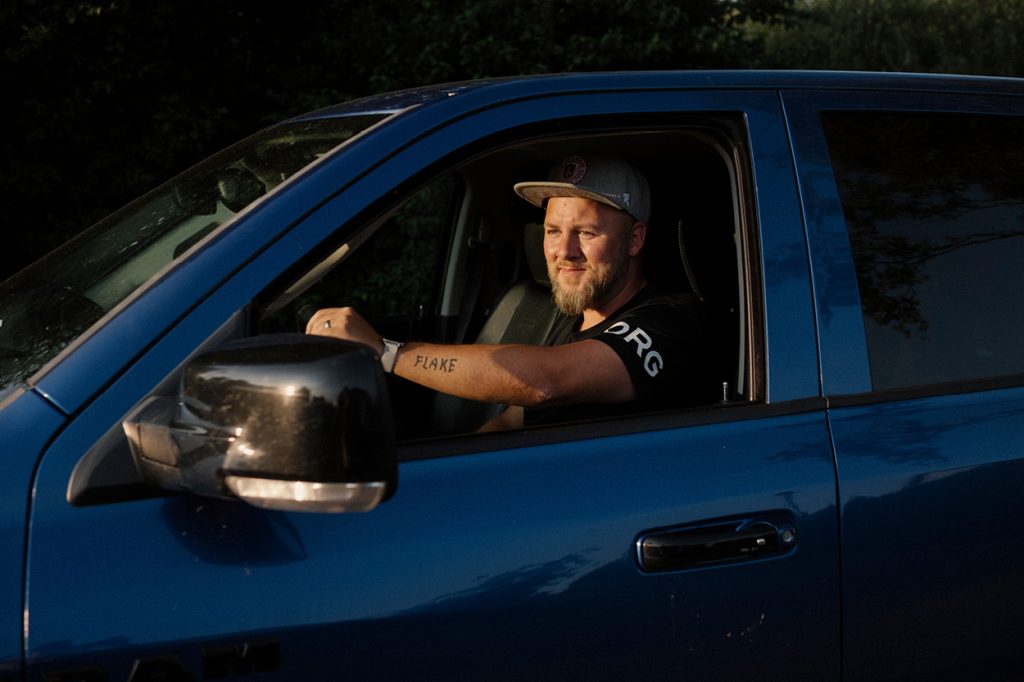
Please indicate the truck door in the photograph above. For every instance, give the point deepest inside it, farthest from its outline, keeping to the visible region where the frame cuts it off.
(916, 240)
(698, 542)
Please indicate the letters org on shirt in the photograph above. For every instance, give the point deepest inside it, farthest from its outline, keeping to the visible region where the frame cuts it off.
(652, 360)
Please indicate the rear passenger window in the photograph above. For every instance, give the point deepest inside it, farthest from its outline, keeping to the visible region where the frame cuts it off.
(934, 205)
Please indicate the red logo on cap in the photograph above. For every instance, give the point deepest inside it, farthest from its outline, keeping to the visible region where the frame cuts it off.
(573, 169)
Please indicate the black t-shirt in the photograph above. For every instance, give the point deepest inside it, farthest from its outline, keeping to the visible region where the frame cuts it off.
(661, 341)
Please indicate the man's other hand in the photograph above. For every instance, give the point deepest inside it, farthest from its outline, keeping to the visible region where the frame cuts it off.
(345, 323)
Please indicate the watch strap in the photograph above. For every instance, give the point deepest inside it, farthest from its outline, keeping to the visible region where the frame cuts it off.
(390, 354)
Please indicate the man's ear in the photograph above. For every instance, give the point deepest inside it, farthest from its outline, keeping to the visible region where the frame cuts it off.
(637, 237)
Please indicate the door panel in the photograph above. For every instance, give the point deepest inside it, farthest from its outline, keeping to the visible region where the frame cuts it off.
(931, 573)
(510, 564)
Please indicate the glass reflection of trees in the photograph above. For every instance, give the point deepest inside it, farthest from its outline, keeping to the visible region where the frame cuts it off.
(918, 186)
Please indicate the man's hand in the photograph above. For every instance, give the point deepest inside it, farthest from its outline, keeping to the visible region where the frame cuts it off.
(345, 323)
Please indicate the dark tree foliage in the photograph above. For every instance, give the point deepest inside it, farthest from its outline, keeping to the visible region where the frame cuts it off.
(947, 36)
(104, 99)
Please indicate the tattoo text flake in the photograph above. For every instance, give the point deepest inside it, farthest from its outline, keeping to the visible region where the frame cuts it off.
(446, 365)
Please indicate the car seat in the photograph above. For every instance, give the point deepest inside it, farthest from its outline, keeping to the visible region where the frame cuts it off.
(523, 314)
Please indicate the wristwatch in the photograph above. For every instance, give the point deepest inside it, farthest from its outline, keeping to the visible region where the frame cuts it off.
(390, 354)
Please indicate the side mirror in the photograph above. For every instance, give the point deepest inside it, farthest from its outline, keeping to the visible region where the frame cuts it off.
(284, 421)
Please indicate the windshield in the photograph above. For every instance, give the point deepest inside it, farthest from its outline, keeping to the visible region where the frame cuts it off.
(46, 306)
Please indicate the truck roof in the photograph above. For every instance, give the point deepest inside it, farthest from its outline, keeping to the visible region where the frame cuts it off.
(538, 85)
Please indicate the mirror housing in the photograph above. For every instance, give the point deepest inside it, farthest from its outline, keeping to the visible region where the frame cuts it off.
(283, 421)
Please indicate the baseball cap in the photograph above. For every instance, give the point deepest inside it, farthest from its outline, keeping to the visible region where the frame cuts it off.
(609, 180)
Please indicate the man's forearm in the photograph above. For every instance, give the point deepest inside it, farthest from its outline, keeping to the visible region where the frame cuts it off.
(588, 371)
(511, 374)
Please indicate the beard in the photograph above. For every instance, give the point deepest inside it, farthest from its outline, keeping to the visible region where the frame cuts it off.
(595, 289)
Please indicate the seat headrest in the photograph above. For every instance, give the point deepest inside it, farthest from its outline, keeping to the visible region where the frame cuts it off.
(533, 246)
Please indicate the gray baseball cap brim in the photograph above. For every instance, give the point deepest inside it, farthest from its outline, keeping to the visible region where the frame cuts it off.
(539, 192)
(610, 181)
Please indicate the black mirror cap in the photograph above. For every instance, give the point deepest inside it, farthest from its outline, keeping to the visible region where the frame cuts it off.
(282, 408)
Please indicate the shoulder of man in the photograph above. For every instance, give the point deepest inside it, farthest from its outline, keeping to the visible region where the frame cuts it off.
(660, 339)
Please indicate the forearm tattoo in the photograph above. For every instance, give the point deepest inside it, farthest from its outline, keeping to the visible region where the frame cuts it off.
(446, 365)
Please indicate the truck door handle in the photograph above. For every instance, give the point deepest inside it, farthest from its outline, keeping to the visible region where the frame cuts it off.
(709, 544)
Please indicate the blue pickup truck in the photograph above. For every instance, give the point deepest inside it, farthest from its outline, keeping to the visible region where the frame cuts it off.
(193, 489)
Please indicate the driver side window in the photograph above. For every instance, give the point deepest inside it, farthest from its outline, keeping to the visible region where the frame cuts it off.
(460, 260)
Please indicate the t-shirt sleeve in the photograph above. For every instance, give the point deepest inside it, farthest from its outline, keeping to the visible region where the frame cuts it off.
(662, 345)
